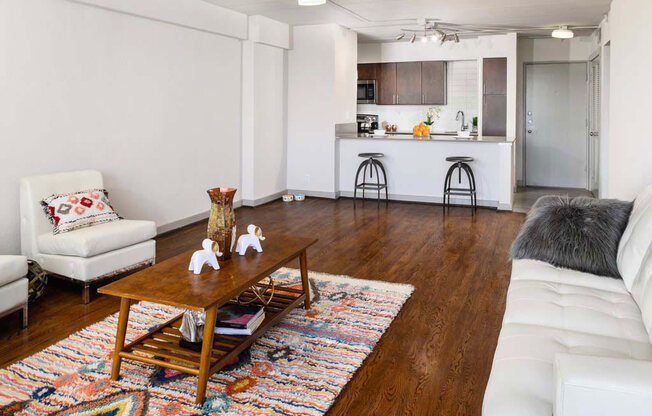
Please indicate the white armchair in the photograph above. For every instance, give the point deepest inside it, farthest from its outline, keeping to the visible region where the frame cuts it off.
(13, 287)
(88, 255)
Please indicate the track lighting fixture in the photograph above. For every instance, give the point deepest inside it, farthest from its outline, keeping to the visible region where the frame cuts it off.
(430, 29)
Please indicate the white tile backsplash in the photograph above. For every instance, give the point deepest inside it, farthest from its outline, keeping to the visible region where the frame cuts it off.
(462, 85)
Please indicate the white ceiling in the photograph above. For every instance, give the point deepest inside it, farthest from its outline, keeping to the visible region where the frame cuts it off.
(381, 20)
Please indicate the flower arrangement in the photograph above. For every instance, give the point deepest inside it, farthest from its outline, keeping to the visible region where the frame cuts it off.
(433, 113)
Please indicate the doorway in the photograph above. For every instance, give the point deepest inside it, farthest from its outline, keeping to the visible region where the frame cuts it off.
(594, 125)
(556, 122)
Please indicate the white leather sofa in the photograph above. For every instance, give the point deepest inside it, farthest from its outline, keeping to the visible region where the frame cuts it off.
(578, 344)
(87, 255)
(13, 287)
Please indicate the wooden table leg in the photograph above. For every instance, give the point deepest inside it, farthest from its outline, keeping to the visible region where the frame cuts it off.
(123, 319)
(205, 357)
(303, 261)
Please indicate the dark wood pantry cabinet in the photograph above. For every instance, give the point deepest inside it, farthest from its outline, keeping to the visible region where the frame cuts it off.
(494, 96)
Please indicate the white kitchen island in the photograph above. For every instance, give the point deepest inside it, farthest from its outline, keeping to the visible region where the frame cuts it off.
(416, 167)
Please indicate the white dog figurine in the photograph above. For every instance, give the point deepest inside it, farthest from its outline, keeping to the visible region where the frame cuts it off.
(207, 255)
(252, 239)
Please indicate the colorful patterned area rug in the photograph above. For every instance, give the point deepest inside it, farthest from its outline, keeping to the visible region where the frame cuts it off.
(297, 368)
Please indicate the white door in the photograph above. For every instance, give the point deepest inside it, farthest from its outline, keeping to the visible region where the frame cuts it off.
(556, 125)
(594, 125)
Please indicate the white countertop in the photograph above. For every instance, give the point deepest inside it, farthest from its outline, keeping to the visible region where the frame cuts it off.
(430, 138)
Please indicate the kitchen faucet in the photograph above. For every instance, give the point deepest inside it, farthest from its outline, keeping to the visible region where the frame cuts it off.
(457, 117)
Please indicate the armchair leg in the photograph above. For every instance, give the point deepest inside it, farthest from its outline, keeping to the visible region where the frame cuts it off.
(24, 316)
(86, 294)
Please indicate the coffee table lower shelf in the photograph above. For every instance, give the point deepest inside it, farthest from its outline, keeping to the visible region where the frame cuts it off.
(162, 344)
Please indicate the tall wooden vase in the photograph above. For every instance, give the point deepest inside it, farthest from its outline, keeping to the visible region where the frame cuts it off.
(221, 223)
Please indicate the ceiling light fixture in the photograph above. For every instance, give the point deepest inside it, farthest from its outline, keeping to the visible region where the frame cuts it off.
(443, 39)
(562, 33)
(424, 39)
(311, 2)
(441, 34)
(457, 38)
(414, 36)
(401, 36)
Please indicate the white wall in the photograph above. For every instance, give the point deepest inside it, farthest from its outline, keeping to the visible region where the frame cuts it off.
(264, 110)
(270, 121)
(545, 50)
(473, 48)
(154, 106)
(321, 93)
(629, 147)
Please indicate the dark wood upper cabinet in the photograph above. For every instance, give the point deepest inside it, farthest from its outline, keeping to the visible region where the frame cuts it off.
(408, 83)
(386, 84)
(433, 82)
(494, 115)
(367, 71)
(494, 74)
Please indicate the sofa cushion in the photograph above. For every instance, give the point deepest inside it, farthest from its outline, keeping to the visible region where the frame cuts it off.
(12, 268)
(91, 241)
(575, 308)
(521, 381)
(637, 238)
(579, 233)
(539, 270)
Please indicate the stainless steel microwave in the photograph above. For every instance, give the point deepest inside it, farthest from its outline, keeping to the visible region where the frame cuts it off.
(366, 91)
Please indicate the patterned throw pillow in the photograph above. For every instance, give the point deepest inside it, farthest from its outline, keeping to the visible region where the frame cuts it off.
(68, 212)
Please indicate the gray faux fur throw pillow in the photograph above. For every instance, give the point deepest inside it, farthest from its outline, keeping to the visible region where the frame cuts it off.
(579, 233)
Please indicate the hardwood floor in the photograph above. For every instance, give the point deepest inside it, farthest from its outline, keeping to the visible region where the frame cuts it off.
(436, 356)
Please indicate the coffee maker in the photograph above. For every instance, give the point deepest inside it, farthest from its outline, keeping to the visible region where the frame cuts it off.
(367, 123)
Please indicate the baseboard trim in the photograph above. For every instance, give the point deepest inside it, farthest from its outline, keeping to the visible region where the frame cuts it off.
(422, 199)
(263, 200)
(316, 194)
(165, 228)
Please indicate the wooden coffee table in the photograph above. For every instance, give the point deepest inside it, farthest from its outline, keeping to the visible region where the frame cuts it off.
(170, 283)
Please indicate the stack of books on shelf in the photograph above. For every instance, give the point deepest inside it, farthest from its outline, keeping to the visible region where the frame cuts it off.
(235, 319)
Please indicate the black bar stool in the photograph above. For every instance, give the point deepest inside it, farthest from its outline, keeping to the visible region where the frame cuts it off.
(372, 163)
(461, 164)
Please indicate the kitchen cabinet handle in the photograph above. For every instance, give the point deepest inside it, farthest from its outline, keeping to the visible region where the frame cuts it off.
(484, 88)
(398, 99)
(423, 98)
